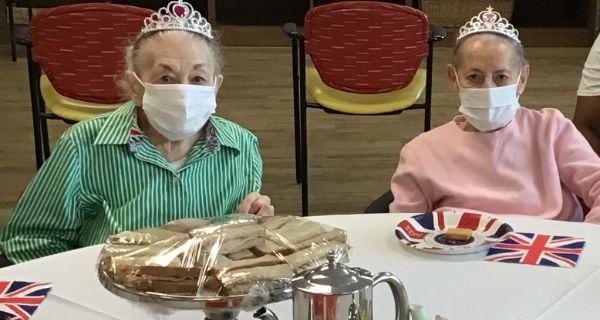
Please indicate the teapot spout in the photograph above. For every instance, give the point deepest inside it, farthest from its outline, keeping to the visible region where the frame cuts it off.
(265, 314)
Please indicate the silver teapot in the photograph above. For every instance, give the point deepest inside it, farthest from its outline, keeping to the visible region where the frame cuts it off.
(334, 291)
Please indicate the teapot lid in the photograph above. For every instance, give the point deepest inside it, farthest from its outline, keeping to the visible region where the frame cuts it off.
(333, 278)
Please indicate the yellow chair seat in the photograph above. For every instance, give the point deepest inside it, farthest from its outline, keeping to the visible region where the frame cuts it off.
(70, 109)
(364, 103)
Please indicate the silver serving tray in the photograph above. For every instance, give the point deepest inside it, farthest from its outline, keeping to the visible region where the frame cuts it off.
(277, 291)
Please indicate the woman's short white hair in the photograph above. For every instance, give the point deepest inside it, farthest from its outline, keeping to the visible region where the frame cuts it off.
(517, 48)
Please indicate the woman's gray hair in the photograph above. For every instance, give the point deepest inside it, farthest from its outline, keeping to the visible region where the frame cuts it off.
(132, 51)
(132, 58)
(517, 49)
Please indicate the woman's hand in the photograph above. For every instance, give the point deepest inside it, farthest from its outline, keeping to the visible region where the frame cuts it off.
(257, 204)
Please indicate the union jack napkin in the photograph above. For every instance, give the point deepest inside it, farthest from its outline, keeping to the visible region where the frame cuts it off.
(538, 249)
(20, 299)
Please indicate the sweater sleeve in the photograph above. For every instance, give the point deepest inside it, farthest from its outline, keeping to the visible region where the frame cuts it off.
(408, 185)
(578, 165)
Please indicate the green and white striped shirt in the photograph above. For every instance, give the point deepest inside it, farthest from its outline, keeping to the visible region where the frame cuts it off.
(104, 177)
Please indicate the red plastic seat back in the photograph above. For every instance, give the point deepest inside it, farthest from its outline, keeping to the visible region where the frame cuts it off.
(80, 47)
(366, 46)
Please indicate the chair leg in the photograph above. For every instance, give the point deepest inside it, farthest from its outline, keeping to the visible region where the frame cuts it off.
(427, 124)
(45, 138)
(37, 139)
(302, 105)
(428, 88)
(43, 119)
(304, 161)
(298, 142)
(11, 30)
(296, 83)
(35, 109)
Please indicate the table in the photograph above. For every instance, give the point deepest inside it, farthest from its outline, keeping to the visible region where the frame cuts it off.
(460, 288)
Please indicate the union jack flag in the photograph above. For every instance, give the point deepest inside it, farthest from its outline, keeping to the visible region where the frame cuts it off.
(19, 299)
(538, 249)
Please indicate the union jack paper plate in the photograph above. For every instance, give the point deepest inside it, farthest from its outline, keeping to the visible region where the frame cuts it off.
(427, 232)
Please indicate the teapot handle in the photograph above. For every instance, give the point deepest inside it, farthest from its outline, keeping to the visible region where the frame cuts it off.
(399, 293)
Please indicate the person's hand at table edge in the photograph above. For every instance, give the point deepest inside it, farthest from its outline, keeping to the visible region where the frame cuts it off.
(257, 204)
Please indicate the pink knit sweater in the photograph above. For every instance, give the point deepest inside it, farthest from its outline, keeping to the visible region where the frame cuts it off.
(535, 166)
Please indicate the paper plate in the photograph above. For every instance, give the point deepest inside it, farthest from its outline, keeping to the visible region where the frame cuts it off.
(427, 232)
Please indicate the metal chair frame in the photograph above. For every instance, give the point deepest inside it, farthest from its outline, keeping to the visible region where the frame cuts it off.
(40, 115)
(301, 104)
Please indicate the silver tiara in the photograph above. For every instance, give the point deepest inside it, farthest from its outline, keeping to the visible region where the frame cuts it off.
(489, 21)
(178, 15)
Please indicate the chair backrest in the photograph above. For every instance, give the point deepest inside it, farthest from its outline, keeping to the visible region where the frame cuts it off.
(80, 47)
(366, 46)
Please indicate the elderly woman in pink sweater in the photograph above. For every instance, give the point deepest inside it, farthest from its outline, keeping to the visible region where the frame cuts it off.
(496, 156)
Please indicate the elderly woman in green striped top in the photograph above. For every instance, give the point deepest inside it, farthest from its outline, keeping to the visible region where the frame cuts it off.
(162, 156)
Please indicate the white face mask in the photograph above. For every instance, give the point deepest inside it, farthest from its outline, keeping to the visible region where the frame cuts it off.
(177, 111)
(489, 109)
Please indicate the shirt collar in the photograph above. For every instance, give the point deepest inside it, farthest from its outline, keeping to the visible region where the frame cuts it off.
(224, 131)
(121, 128)
(117, 127)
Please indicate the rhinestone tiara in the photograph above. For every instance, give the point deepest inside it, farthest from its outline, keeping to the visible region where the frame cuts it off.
(178, 15)
(489, 21)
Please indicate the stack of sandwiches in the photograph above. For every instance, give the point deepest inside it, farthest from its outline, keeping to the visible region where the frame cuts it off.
(201, 258)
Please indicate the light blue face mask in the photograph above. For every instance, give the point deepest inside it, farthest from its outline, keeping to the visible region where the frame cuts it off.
(488, 109)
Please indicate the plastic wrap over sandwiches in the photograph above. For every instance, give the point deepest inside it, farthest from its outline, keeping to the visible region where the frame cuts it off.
(219, 257)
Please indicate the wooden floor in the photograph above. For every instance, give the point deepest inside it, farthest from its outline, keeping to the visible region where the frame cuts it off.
(351, 158)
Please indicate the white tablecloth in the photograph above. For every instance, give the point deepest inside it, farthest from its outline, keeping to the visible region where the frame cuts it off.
(460, 287)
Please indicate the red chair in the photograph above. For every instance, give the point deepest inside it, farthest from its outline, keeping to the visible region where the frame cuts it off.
(366, 57)
(14, 4)
(80, 50)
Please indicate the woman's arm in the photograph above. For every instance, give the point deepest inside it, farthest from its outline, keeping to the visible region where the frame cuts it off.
(254, 202)
(578, 165)
(587, 119)
(47, 218)
(407, 187)
(587, 110)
